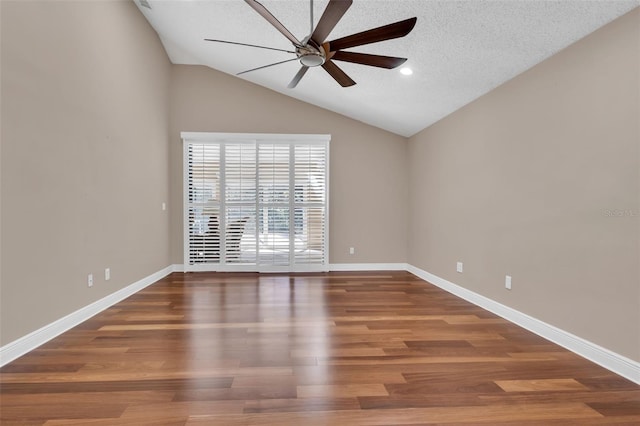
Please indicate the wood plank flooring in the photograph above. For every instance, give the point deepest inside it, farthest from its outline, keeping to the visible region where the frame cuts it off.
(379, 348)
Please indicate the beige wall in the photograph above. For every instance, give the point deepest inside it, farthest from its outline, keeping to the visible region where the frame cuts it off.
(368, 187)
(85, 93)
(528, 181)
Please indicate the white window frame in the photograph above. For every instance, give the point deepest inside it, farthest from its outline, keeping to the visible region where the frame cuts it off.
(255, 138)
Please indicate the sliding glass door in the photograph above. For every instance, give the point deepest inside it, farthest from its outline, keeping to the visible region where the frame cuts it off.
(255, 202)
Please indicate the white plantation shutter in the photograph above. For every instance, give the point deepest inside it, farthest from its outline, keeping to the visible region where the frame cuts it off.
(203, 195)
(240, 205)
(273, 203)
(256, 202)
(309, 203)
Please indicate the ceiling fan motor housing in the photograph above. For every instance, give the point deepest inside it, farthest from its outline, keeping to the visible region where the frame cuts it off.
(311, 56)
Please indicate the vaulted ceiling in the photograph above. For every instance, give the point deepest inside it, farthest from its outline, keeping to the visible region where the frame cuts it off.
(458, 50)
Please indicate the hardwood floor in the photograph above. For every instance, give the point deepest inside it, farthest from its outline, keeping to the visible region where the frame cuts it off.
(381, 348)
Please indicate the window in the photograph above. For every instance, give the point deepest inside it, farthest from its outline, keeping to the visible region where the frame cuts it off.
(255, 202)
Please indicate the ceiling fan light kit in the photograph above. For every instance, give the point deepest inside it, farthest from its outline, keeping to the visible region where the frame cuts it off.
(314, 51)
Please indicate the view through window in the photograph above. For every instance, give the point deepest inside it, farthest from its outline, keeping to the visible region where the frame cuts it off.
(255, 202)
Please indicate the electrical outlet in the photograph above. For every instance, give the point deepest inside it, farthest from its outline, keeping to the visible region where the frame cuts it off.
(352, 250)
(107, 274)
(507, 282)
(164, 206)
(459, 267)
(90, 280)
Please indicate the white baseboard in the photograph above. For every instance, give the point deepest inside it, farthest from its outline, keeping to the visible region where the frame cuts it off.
(367, 267)
(344, 267)
(27, 343)
(591, 351)
(604, 357)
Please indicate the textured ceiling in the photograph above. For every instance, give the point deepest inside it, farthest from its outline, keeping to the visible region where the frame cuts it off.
(458, 50)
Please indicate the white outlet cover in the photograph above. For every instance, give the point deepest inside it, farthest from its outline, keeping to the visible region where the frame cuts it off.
(507, 282)
(107, 274)
(459, 267)
(90, 280)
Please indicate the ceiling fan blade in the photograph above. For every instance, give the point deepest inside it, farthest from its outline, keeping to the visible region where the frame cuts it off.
(332, 14)
(338, 75)
(386, 32)
(388, 62)
(249, 45)
(267, 66)
(258, 7)
(298, 77)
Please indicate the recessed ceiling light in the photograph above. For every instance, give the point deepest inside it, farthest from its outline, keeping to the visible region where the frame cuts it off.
(406, 71)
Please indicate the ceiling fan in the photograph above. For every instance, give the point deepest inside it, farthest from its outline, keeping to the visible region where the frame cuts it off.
(314, 51)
